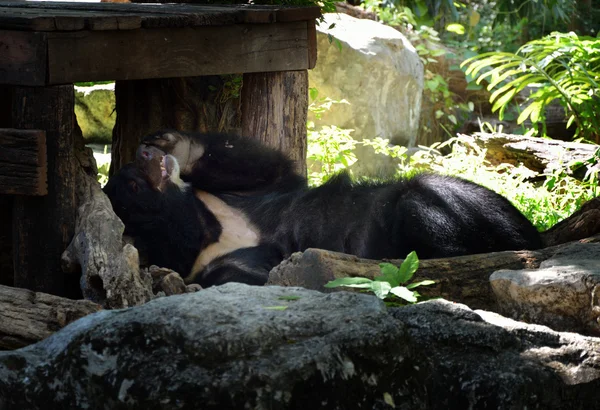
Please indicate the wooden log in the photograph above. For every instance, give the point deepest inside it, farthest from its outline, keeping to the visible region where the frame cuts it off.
(44, 226)
(27, 317)
(582, 224)
(23, 163)
(274, 110)
(189, 104)
(537, 154)
(463, 279)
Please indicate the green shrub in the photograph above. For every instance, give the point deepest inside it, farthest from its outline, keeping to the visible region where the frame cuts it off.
(561, 67)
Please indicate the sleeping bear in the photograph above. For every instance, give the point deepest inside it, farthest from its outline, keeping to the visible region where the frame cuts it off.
(221, 208)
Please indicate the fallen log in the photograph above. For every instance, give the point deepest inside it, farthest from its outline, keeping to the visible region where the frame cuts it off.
(463, 279)
(537, 154)
(27, 317)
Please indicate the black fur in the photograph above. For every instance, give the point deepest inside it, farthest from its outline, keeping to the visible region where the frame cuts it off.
(436, 216)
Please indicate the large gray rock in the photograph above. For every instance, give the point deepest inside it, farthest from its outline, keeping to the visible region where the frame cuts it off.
(564, 293)
(237, 346)
(377, 70)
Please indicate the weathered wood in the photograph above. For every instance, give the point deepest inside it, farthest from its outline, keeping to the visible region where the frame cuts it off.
(160, 53)
(23, 165)
(274, 110)
(27, 317)
(61, 19)
(43, 226)
(463, 279)
(312, 44)
(51, 16)
(537, 154)
(191, 104)
(582, 224)
(110, 272)
(23, 58)
(6, 264)
(6, 201)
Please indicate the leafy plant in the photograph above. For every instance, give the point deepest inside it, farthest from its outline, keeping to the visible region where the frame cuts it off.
(330, 148)
(392, 285)
(561, 67)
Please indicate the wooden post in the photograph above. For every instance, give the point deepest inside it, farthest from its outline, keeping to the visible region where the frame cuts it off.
(274, 110)
(6, 201)
(43, 226)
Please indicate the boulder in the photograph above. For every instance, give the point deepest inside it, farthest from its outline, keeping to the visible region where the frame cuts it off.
(237, 346)
(562, 294)
(377, 70)
(95, 112)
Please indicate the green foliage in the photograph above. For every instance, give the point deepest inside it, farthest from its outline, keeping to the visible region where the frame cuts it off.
(330, 149)
(561, 67)
(392, 285)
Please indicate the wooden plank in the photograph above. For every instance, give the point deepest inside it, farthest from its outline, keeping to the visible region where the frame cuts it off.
(163, 53)
(66, 20)
(22, 58)
(43, 226)
(153, 15)
(23, 164)
(312, 44)
(274, 110)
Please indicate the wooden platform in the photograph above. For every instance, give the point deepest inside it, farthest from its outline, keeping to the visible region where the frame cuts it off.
(47, 46)
(105, 41)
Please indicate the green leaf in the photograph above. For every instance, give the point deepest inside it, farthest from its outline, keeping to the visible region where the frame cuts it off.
(381, 289)
(408, 268)
(275, 307)
(389, 274)
(404, 293)
(350, 282)
(313, 92)
(456, 28)
(422, 283)
(290, 297)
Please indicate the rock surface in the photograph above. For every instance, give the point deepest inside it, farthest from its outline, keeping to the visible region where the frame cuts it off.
(377, 70)
(237, 346)
(562, 294)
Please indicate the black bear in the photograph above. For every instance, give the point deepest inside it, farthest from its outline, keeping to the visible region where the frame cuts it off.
(245, 225)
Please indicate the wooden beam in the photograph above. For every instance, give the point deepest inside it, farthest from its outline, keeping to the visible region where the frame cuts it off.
(23, 163)
(180, 52)
(274, 110)
(43, 226)
(27, 317)
(22, 58)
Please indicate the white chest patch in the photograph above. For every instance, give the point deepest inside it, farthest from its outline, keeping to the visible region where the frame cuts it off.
(237, 232)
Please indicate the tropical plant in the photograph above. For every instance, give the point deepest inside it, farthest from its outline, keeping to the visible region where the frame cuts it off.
(563, 67)
(392, 285)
